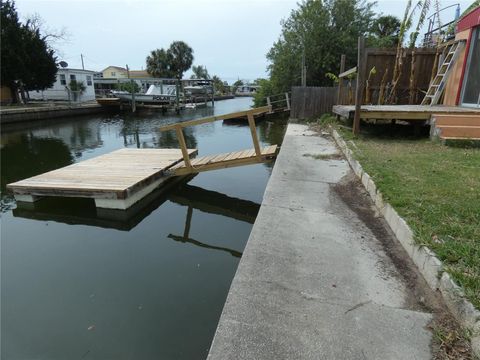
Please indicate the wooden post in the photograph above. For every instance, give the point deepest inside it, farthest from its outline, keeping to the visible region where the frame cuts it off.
(183, 147)
(134, 105)
(177, 98)
(269, 104)
(188, 222)
(288, 100)
(340, 80)
(213, 94)
(253, 130)
(361, 63)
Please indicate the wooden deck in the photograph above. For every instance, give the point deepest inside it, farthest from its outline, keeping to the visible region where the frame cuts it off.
(222, 161)
(401, 112)
(120, 179)
(115, 180)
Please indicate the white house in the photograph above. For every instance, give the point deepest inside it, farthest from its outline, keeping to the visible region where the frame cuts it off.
(60, 89)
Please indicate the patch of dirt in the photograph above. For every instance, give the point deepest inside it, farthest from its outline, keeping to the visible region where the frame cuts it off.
(336, 156)
(449, 341)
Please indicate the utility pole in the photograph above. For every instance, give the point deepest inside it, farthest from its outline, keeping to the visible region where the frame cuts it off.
(81, 56)
(134, 105)
(304, 68)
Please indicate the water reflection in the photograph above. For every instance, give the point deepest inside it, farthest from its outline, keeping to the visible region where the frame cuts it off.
(152, 280)
(75, 211)
(26, 155)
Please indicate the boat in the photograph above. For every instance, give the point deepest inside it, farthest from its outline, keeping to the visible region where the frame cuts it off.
(199, 88)
(166, 94)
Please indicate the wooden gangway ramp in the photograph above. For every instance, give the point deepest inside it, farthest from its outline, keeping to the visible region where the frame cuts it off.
(116, 180)
(123, 177)
(225, 160)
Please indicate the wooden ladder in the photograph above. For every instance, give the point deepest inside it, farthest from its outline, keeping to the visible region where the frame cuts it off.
(435, 90)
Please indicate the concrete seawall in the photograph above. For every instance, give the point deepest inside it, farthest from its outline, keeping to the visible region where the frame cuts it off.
(9, 116)
(321, 276)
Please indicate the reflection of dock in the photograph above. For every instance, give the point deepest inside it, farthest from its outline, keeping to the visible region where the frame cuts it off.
(186, 237)
(119, 179)
(83, 212)
(215, 203)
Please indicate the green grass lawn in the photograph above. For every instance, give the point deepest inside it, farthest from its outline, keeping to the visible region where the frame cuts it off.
(435, 188)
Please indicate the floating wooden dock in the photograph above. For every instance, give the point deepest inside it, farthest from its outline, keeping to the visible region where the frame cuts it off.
(120, 179)
(116, 180)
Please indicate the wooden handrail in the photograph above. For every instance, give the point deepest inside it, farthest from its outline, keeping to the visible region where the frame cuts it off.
(348, 72)
(255, 111)
(178, 127)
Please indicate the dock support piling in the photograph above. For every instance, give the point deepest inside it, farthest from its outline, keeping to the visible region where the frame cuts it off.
(183, 146)
(253, 130)
(287, 99)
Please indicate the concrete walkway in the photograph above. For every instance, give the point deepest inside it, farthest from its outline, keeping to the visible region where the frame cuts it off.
(320, 278)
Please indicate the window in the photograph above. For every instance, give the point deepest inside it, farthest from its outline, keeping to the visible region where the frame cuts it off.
(73, 77)
(89, 80)
(63, 81)
(113, 73)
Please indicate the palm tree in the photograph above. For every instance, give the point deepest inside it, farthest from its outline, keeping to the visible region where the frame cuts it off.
(159, 64)
(200, 72)
(182, 57)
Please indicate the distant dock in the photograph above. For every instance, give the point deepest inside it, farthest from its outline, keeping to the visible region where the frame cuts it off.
(9, 115)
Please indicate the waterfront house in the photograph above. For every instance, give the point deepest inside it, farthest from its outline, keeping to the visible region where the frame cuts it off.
(463, 85)
(114, 72)
(60, 89)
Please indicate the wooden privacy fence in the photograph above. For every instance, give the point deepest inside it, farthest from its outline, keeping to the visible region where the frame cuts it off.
(310, 101)
(383, 60)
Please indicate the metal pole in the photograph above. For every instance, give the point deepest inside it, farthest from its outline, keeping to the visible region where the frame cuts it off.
(83, 67)
(177, 93)
(361, 63)
(340, 80)
(304, 70)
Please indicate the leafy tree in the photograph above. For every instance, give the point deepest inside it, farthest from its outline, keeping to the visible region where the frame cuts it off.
(384, 32)
(218, 84)
(41, 69)
(75, 85)
(182, 57)
(25, 56)
(322, 30)
(200, 72)
(236, 85)
(130, 87)
(12, 50)
(159, 64)
(266, 89)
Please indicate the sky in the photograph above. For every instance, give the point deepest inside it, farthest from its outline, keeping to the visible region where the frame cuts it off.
(229, 37)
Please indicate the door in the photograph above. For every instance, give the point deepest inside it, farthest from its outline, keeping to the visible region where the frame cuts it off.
(470, 95)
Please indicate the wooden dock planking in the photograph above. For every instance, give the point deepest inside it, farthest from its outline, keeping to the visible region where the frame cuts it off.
(401, 112)
(116, 177)
(120, 179)
(222, 161)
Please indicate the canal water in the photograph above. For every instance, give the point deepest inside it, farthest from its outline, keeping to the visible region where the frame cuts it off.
(84, 283)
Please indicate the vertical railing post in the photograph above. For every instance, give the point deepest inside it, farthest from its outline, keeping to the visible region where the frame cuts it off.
(253, 130)
(361, 65)
(288, 100)
(269, 103)
(183, 147)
